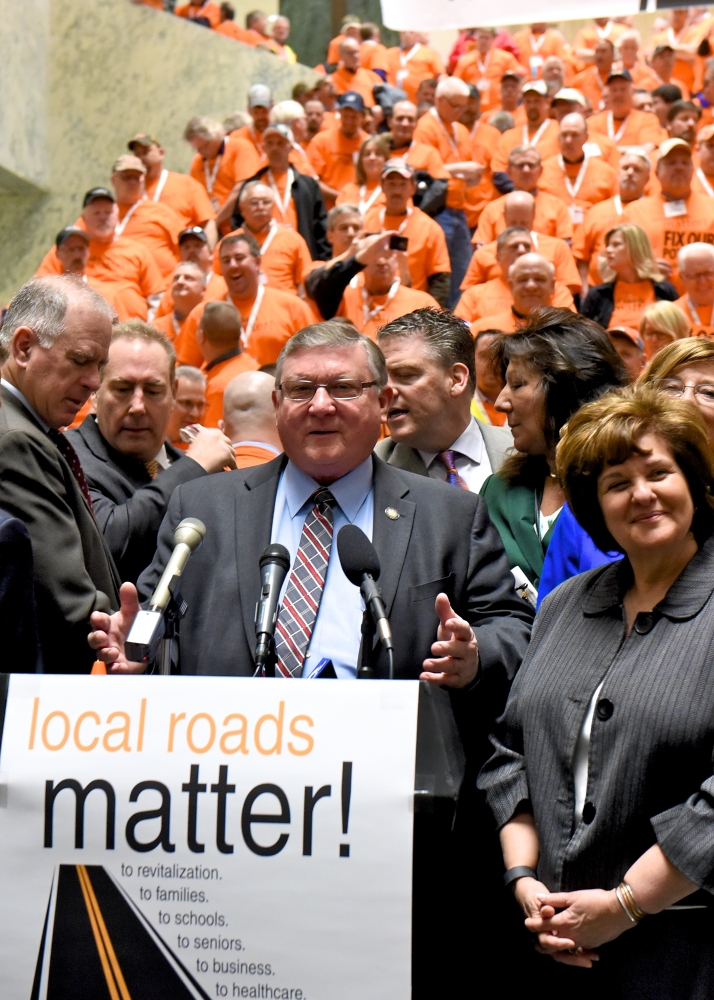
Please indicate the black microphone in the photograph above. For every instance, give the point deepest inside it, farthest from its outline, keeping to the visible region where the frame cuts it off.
(274, 564)
(360, 564)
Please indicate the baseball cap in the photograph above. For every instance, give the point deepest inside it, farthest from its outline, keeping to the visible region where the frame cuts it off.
(537, 86)
(284, 130)
(94, 194)
(351, 100)
(620, 74)
(195, 231)
(669, 144)
(571, 95)
(510, 74)
(64, 234)
(627, 331)
(259, 96)
(662, 48)
(398, 166)
(128, 162)
(142, 139)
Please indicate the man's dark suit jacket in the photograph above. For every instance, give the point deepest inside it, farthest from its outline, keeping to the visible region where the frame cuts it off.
(442, 540)
(129, 505)
(18, 624)
(74, 570)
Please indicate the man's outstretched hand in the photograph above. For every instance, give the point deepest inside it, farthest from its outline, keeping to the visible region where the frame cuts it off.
(455, 651)
(111, 630)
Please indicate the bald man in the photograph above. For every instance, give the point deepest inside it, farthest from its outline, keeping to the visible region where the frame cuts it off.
(531, 280)
(696, 272)
(249, 418)
(581, 181)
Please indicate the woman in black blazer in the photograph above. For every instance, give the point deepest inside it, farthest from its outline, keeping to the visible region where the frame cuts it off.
(632, 280)
(601, 782)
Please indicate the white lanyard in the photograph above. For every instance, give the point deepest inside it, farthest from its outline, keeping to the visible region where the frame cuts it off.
(121, 226)
(177, 325)
(364, 206)
(573, 188)
(705, 183)
(618, 204)
(256, 141)
(402, 226)
(534, 241)
(283, 202)
(451, 136)
(483, 66)
(693, 311)
(404, 58)
(536, 137)
(160, 185)
(616, 136)
(537, 42)
(211, 177)
(272, 230)
(245, 335)
(368, 313)
(604, 32)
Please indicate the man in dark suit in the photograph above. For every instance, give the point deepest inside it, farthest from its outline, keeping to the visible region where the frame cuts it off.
(130, 467)
(18, 625)
(454, 613)
(56, 338)
(432, 372)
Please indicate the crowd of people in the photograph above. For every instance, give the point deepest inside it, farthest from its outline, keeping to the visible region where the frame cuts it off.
(465, 305)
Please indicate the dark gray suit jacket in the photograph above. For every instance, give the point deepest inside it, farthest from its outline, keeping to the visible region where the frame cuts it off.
(497, 441)
(18, 622)
(129, 505)
(74, 570)
(442, 540)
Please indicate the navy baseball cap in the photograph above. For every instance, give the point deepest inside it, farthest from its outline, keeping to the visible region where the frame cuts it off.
(64, 234)
(95, 193)
(351, 100)
(620, 74)
(195, 231)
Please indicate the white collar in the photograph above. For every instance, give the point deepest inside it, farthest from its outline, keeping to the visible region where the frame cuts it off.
(162, 457)
(469, 444)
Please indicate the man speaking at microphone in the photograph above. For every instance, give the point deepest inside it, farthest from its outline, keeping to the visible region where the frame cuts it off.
(445, 581)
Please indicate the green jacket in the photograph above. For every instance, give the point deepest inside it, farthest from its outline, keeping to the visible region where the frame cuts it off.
(512, 510)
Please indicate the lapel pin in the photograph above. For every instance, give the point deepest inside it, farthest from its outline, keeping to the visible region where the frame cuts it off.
(391, 513)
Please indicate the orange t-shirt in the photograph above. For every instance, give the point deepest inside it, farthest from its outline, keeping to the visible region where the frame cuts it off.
(408, 69)
(287, 259)
(361, 81)
(669, 234)
(494, 296)
(533, 50)
(651, 81)
(452, 143)
(590, 35)
(591, 85)
(599, 181)
(232, 30)
(364, 196)
(280, 316)
(703, 322)
(484, 138)
(249, 133)
(168, 325)
(484, 266)
(506, 322)
(422, 157)
(486, 72)
(125, 266)
(333, 49)
(684, 71)
(373, 55)
(636, 129)
(551, 219)
(284, 214)
(368, 322)
(333, 157)
(211, 11)
(216, 288)
(589, 239)
(248, 455)
(427, 252)
(238, 161)
(155, 226)
(522, 135)
(219, 374)
(185, 196)
(630, 299)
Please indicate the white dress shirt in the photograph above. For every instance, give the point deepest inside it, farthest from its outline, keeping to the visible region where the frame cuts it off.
(470, 459)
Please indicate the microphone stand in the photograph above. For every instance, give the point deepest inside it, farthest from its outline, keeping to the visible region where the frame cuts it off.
(365, 670)
(173, 613)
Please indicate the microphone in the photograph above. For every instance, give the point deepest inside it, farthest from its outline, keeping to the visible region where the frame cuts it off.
(274, 564)
(145, 629)
(360, 564)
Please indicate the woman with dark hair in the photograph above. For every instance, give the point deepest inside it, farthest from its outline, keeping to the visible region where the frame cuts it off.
(601, 782)
(366, 191)
(551, 368)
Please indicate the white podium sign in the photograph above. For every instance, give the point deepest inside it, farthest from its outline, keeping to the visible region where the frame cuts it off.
(425, 15)
(195, 837)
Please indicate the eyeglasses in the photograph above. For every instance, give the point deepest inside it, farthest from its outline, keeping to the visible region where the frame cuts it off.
(340, 389)
(343, 388)
(674, 388)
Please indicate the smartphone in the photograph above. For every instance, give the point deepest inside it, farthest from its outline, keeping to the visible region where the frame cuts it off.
(398, 243)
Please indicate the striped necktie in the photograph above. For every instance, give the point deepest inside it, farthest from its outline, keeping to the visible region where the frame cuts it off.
(72, 459)
(301, 603)
(448, 460)
(152, 468)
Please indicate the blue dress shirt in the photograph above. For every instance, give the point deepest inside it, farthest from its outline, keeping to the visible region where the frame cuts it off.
(336, 634)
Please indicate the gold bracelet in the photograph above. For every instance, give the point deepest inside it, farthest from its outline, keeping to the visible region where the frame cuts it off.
(626, 899)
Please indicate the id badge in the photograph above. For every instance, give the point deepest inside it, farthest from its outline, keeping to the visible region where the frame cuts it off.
(591, 149)
(483, 86)
(536, 63)
(674, 208)
(577, 214)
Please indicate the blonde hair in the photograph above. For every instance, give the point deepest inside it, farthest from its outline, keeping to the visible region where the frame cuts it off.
(607, 431)
(639, 250)
(285, 112)
(667, 362)
(383, 147)
(201, 127)
(665, 317)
